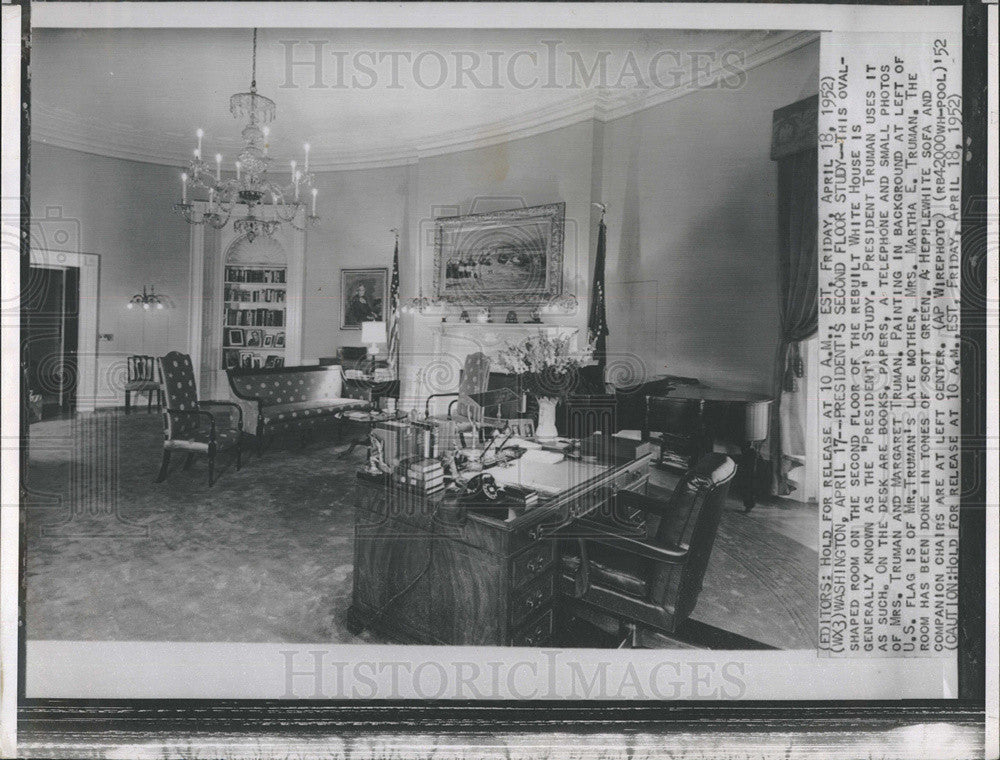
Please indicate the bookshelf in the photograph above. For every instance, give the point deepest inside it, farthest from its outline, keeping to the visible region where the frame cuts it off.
(254, 315)
(228, 270)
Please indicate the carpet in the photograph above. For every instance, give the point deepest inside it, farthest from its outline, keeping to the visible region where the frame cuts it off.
(265, 555)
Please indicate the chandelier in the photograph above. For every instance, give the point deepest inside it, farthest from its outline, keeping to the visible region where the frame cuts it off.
(251, 187)
(146, 299)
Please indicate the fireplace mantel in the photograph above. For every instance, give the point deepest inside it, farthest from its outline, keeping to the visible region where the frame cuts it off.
(459, 339)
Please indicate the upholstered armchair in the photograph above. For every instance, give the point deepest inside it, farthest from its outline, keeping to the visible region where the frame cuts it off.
(195, 427)
(644, 569)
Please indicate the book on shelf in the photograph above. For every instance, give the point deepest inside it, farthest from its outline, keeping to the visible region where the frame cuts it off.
(255, 274)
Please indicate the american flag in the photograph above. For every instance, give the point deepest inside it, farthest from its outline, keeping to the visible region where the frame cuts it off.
(394, 311)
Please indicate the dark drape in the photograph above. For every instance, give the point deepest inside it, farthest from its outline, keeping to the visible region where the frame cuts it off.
(794, 148)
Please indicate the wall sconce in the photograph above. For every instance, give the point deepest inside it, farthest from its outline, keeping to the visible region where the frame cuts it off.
(147, 300)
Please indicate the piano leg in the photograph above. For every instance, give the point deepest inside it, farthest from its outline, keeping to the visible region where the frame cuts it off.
(749, 467)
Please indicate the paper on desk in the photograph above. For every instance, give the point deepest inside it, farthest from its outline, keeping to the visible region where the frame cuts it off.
(546, 479)
(522, 442)
(538, 456)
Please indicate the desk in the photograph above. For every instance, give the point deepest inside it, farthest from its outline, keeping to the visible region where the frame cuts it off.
(721, 415)
(466, 576)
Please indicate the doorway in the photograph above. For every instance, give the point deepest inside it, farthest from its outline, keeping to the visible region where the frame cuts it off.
(51, 340)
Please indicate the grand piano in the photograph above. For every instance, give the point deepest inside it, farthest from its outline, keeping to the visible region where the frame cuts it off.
(689, 419)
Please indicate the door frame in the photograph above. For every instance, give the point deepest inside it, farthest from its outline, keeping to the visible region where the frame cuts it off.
(89, 266)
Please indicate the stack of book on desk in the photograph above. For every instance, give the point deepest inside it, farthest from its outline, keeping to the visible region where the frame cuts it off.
(425, 474)
(520, 497)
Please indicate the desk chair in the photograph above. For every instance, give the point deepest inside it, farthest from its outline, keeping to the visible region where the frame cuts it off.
(188, 426)
(647, 578)
(141, 378)
(463, 411)
(680, 424)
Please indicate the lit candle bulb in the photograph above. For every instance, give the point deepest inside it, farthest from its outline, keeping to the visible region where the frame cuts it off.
(197, 153)
(201, 134)
(306, 167)
(298, 176)
(218, 167)
(184, 187)
(237, 170)
(314, 191)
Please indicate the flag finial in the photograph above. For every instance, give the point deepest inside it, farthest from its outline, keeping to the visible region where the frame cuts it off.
(602, 206)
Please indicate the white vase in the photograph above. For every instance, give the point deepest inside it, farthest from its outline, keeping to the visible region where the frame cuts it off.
(546, 428)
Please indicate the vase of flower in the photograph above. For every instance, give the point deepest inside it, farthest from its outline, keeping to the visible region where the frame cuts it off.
(547, 368)
(546, 428)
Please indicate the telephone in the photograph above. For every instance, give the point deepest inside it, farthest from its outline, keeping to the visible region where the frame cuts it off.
(482, 487)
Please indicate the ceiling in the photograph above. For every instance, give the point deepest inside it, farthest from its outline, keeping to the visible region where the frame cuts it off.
(400, 93)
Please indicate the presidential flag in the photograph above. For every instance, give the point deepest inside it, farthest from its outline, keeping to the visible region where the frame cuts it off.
(597, 326)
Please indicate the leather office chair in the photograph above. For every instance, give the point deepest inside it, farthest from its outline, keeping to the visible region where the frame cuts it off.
(188, 425)
(647, 576)
(681, 426)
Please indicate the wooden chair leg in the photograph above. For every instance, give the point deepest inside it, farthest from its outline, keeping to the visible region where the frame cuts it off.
(128, 401)
(149, 402)
(164, 466)
(188, 460)
(211, 468)
(260, 440)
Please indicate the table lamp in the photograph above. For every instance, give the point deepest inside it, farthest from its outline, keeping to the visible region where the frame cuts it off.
(373, 334)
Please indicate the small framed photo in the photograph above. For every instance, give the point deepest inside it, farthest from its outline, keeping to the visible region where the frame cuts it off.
(271, 361)
(231, 359)
(234, 336)
(254, 338)
(279, 340)
(268, 340)
(257, 363)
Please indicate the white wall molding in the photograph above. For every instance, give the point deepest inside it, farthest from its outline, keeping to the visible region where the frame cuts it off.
(65, 129)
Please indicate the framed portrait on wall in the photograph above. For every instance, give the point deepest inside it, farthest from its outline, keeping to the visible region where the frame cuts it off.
(363, 295)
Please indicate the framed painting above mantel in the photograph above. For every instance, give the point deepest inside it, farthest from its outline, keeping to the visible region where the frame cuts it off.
(506, 258)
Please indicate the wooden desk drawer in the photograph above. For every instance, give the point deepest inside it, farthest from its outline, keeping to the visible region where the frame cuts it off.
(531, 563)
(534, 633)
(632, 478)
(531, 599)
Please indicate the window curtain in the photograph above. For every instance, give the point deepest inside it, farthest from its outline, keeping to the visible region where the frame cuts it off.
(793, 146)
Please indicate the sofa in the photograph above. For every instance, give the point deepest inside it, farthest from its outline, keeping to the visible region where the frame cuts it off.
(291, 399)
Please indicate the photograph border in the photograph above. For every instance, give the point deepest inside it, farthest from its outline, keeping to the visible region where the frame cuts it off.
(54, 727)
